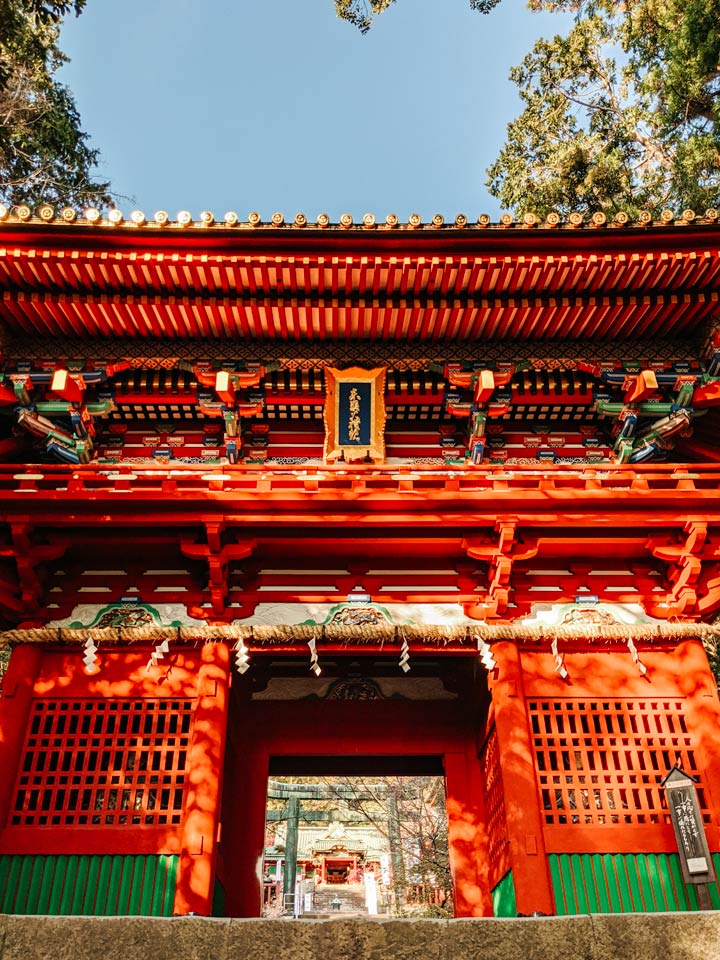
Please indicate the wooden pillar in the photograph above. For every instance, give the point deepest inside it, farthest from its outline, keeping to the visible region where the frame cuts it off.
(467, 841)
(291, 849)
(530, 871)
(17, 692)
(196, 874)
(245, 832)
(396, 854)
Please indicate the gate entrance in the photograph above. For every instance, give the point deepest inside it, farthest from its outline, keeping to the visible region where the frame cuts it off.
(359, 720)
(362, 841)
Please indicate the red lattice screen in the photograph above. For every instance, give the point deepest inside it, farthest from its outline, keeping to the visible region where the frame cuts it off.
(495, 809)
(88, 762)
(600, 762)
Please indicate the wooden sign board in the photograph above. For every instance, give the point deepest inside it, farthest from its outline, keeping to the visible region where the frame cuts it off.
(695, 859)
(355, 414)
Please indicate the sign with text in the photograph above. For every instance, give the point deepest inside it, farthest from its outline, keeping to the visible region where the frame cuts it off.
(354, 414)
(695, 859)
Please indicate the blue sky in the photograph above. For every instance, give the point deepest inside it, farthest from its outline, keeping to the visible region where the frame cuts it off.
(276, 105)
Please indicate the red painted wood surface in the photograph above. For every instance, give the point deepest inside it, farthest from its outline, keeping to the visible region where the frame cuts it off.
(604, 738)
(98, 760)
(205, 761)
(262, 729)
(75, 281)
(15, 704)
(522, 802)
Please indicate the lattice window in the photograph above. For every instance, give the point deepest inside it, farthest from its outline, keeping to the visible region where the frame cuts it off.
(103, 762)
(600, 762)
(494, 800)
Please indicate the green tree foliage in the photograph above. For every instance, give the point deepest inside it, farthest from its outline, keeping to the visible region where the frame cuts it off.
(44, 154)
(360, 13)
(619, 114)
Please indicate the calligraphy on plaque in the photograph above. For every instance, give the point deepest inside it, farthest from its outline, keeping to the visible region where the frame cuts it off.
(695, 860)
(354, 414)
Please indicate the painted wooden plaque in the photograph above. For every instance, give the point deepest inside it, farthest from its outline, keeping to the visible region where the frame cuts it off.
(355, 414)
(686, 817)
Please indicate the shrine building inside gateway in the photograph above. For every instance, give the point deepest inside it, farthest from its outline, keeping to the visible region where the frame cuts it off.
(326, 548)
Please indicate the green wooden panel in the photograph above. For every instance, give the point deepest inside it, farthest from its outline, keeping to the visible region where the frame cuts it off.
(557, 885)
(623, 883)
(88, 907)
(597, 866)
(578, 875)
(568, 886)
(714, 887)
(218, 903)
(681, 898)
(503, 897)
(58, 884)
(157, 908)
(103, 885)
(23, 885)
(80, 886)
(171, 868)
(621, 896)
(125, 884)
(90, 885)
(633, 879)
(648, 882)
(6, 890)
(66, 899)
(138, 883)
(148, 886)
(46, 885)
(666, 881)
(111, 907)
(613, 887)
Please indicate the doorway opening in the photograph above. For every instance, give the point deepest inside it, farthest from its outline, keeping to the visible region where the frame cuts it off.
(359, 719)
(357, 835)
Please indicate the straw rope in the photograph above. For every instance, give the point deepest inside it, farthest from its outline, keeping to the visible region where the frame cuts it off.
(426, 634)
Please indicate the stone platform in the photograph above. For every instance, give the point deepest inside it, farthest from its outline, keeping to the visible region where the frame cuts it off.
(629, 937)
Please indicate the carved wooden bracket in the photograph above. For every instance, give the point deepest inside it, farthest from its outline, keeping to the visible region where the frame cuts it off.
(690, 568)
(500, 557)
(217, 555)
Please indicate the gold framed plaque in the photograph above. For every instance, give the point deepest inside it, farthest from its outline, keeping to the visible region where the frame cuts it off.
(355, 414)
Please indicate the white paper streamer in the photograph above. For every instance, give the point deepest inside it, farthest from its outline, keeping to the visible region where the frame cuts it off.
(242, 657)
(559, 659)
(486, 655)
(404, 655)
(314, 665)
(90, 657)
(157, 655)
(636, 657)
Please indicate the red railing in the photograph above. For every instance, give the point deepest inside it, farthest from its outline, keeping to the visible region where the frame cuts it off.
(551, 481)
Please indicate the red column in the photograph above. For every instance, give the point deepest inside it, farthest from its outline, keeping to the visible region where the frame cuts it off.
(467, 840)
(522, 802)
(196, 874)
(244, 836)
(15, 702)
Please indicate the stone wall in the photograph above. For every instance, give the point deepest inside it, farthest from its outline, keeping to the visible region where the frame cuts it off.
(619, 937)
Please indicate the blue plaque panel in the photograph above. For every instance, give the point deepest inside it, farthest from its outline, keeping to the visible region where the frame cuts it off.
(354, 413)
